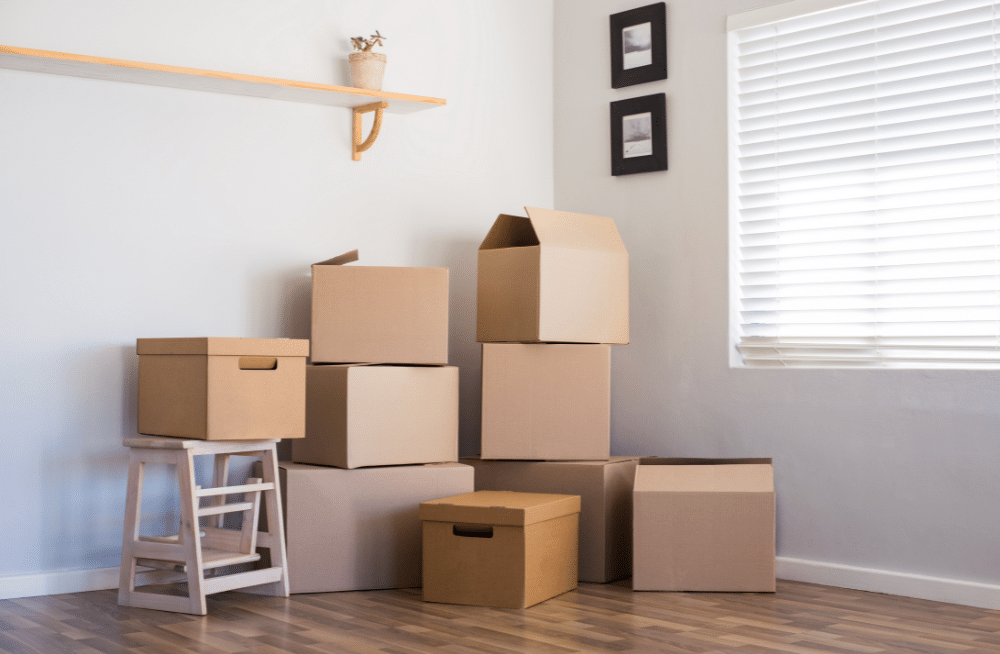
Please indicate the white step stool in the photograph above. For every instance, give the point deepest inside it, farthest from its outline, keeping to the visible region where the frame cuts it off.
(198, 548)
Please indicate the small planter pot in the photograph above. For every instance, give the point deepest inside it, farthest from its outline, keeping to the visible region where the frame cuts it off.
(367, 69)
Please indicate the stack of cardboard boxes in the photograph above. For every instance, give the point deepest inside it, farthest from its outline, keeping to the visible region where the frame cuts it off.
(381, 428)
(552, 298)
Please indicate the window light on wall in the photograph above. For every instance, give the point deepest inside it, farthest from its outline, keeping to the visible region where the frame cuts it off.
(865, 184)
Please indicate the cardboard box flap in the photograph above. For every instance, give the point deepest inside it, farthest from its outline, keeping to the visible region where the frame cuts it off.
(340, 260)
(727, 476)
(500, 508)
(510, 232)
(270, 347)
(575, 230)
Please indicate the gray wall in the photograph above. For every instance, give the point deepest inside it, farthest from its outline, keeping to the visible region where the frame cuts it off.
(138, 211)
(893, 471)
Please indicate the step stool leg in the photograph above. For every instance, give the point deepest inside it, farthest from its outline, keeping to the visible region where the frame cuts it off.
(274, 537)
(220, 478)
(130, 533)
(190, 532)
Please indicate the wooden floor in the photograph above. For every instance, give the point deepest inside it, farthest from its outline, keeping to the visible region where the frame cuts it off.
(799, 618)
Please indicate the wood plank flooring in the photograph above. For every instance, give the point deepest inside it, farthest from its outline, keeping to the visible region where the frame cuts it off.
(798, 619)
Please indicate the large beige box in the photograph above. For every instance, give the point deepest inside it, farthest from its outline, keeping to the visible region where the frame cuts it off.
(360, 529)
(222, 388)
(605, 490)
(554, 276)
(546, 401)
(704, 525)
(500, 549)
(378, 314)
(362, 415)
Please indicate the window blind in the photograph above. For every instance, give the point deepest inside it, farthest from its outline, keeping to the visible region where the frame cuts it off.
(865, 186)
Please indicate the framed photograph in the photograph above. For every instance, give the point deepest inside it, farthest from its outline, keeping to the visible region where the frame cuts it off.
(639, 135)
(639, 45)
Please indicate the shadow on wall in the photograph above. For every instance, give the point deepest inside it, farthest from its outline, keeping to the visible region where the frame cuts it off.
(463, 350)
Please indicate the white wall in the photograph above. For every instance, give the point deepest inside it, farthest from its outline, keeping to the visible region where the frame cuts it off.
(137, 211)
(884, 478)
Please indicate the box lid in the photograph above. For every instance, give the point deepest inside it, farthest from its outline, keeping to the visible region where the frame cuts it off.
(500, 508)
(553, 228)
(340, 260)
(272, 347)
(704, 475)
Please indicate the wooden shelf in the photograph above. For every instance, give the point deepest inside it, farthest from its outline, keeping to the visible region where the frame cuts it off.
(121, 70)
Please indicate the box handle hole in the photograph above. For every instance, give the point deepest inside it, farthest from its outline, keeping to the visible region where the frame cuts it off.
(258, 363)
(472, 531)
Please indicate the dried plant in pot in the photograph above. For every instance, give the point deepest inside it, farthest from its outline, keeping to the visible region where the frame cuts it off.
(367, 67)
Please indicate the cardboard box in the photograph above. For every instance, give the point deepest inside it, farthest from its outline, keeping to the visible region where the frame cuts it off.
(554, 276)
(378, 314)
(704, 525)
(500, 549)
(360, 415)
(359, 529)
(605, 490)
(546, 401)
(222, 388)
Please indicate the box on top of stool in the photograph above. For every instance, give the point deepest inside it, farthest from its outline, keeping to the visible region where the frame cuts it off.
(499, 548)
(704, 525)
(605, 490)
(378, 314)
(222, 388)
(360, 415)
(546, 401)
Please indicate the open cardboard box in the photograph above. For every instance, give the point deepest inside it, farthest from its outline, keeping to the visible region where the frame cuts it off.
(378, 314)
(704, 525)
(553, 277)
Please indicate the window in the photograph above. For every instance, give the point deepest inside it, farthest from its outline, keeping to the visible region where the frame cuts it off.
(865, 184)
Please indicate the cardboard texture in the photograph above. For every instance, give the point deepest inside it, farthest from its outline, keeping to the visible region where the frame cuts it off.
(704, 525)
(378, 314)
(222, 388)
(359, 529)
(546, 401)
(605, 490)
(361, 415)
(499, 549)
(554, 276)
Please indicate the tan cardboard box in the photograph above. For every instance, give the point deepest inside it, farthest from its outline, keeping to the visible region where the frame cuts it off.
(378, 314)
(361, 415)
(222, 388)
(546, 401)
(359, 529)
(704, 525)
(500, 549)
(554, 276)
(605, 490)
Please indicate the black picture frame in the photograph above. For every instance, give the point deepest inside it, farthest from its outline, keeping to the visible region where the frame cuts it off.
(644, 116)
(633, 30)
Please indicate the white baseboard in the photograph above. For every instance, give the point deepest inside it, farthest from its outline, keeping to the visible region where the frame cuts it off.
(953, 591)
(969, 593)
(56, 583)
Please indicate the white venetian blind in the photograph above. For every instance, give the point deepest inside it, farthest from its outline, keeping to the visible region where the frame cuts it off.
(865, 196)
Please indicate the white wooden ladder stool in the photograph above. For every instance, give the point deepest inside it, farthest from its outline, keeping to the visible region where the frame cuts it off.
(197, 547)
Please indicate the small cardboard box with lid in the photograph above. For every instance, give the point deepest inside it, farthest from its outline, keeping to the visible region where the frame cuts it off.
(500, 548)
(553, 277)
(222, 388)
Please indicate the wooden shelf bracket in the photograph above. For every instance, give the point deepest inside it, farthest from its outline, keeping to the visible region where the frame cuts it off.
(357, 146)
